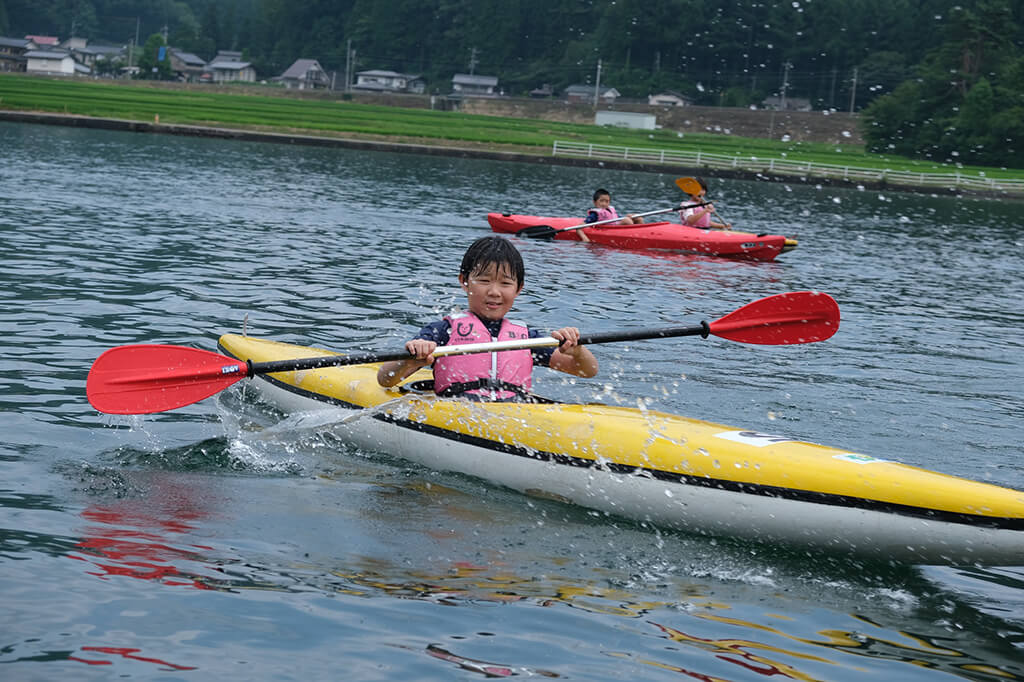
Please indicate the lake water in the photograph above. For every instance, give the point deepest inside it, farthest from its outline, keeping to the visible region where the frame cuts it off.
(219, 541)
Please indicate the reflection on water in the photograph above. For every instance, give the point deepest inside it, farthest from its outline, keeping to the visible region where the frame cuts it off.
(137, 544)
(129, 540)
(781, 617)
(124, 652)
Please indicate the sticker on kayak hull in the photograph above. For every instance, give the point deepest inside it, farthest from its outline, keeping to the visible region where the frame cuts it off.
(858, 458)
(758, 440)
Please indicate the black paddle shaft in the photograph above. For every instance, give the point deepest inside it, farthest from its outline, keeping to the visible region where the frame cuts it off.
(323, 361)
(703, 329)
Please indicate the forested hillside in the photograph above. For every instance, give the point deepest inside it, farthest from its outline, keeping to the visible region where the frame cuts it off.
(947, 64)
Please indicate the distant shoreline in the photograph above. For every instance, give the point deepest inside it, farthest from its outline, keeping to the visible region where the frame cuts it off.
(126, 125)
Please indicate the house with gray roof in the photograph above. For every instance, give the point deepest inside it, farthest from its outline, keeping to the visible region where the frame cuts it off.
(90, 54)
(188, 67)
(12, 53)
(305, 74)
(585, 94)
(669, 98)
(228, 67)
(469, 85)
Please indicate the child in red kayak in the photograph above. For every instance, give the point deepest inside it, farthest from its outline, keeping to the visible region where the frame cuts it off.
(603, 210)
(492, 275)
(700, 216)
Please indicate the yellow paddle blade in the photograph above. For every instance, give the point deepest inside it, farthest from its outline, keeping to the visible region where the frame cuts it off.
(689, 185)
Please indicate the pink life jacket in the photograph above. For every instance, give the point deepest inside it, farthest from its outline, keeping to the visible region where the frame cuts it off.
(602, 214)
(703, 221)
(498, 376)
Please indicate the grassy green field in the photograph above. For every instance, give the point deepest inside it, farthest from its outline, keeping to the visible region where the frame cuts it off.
(276, 111)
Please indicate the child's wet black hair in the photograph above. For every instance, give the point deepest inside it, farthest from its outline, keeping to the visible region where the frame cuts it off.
(496, 250)
(600, 193)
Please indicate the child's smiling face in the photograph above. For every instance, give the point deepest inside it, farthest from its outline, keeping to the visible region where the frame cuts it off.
(603, 201)
(491, 291)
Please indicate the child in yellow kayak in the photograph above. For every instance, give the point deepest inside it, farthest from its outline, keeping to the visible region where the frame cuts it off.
(492, 275)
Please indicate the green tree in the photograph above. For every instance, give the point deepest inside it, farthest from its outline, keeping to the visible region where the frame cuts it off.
(210, 31)
(151, 66)
(879, 74)
(82, 21)
(955, 107)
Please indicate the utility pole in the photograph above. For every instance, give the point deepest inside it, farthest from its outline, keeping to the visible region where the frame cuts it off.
(785, 83)
(131, 47)
(597, 86)
(348, 64)
(853, 91)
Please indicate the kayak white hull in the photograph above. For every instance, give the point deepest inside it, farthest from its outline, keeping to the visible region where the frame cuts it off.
(678, 504)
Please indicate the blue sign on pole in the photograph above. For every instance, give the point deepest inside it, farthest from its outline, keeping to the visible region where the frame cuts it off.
(161, 53)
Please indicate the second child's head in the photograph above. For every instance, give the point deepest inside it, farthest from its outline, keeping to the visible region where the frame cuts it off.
(703, 188)
(492, 275)
(602, 198)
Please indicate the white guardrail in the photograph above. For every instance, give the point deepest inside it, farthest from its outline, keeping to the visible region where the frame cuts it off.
(784, 167)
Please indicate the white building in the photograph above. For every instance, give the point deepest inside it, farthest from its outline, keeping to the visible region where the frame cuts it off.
(668, 99)
(626, 119)
(50, 63)
(376, 80)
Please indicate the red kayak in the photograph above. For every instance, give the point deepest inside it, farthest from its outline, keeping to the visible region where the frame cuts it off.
(663, 235)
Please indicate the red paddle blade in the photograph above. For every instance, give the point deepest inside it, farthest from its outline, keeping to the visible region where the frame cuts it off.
(148, 378)
(794, 317)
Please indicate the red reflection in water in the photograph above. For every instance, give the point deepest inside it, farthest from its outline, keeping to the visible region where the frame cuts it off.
(135, 538)
(125, 652)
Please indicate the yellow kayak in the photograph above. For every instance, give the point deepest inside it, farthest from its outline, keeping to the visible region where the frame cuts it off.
(662, 468)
